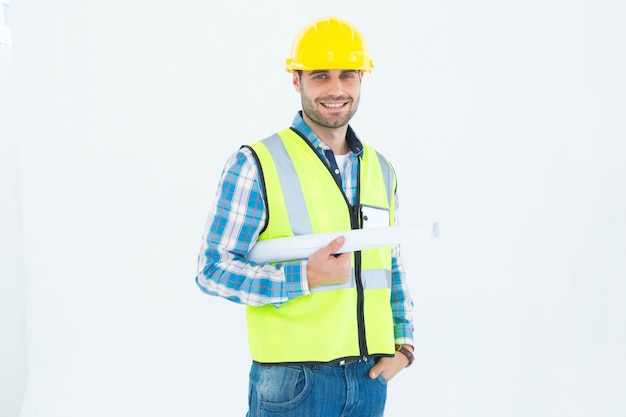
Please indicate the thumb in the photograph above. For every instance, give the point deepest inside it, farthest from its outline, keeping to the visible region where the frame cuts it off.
(335, 245)
(375, 371)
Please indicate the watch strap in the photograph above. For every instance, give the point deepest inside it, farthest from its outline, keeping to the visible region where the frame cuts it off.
(406, 352)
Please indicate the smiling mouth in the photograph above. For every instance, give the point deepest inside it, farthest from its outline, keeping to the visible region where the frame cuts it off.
(334, 105)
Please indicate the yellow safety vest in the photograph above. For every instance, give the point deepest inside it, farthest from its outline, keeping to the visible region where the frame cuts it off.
(334, 322)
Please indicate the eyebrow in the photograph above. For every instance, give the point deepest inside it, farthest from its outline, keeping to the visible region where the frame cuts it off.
(315, 72)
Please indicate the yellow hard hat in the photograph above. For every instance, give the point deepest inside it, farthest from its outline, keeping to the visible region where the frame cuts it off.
(329, 43)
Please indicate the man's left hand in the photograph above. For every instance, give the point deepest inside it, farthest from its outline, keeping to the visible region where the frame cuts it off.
(389, 367)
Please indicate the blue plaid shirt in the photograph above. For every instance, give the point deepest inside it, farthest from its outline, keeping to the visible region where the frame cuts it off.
(237, 216)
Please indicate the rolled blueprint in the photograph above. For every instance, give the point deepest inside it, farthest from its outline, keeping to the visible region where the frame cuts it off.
(301, 247)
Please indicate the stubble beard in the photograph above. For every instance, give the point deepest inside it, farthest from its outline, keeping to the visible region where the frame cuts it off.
(309, 109)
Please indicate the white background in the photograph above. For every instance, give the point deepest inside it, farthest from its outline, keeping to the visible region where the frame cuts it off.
(504, 120)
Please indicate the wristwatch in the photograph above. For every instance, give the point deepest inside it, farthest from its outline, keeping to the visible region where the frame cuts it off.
(406, 352)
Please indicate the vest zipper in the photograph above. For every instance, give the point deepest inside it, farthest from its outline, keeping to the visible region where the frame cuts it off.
(355, 219)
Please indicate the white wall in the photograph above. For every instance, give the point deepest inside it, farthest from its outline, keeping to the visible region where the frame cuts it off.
(12, 324)
(504, 121)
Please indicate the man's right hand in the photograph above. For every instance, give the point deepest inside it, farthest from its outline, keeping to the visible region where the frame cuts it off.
(324, 268)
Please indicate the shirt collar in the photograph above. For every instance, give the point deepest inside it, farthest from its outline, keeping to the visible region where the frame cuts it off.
(354, 143)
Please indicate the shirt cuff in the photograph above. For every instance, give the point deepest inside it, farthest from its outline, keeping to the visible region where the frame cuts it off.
(404, 341)
(296, 279)
(404, 335)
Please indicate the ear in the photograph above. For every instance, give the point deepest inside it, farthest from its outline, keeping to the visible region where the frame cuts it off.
(361, 76)
(296, 80)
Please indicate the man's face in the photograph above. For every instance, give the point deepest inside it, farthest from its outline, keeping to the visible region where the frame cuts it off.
(329, 97)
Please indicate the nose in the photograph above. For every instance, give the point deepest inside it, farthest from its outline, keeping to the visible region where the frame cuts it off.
(335, 86)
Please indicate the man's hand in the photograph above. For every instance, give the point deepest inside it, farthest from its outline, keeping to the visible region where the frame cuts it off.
(390, 367)
(324, 268)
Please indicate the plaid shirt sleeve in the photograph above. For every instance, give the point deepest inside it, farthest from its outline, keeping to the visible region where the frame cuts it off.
(232, 228)
(401, 302)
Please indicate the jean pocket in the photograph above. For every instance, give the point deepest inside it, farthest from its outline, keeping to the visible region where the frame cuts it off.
(382, 380)
(283, 388)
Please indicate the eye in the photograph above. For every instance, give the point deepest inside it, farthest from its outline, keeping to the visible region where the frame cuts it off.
(319, 77)
(348, 75)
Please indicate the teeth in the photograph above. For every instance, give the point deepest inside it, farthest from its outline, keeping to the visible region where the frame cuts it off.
(333, 104)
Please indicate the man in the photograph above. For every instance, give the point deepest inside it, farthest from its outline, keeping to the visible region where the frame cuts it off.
(325, 333)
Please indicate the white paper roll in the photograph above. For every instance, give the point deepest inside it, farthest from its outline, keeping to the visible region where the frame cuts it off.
(301, 247)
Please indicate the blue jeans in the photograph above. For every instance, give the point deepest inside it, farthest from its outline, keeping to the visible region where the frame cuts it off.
(316, 391)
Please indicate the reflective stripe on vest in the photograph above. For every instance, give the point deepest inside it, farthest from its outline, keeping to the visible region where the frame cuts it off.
(302, 197)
